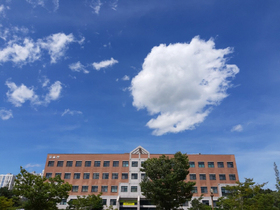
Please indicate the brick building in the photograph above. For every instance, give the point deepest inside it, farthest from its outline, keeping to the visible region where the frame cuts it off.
(118, 176)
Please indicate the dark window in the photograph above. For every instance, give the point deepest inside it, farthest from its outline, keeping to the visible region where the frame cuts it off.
(201, 165)
(133, 188)
(63, 201)
(104, 188)
(192, 176)
(143, 176)
(67, 175)
(78, 163)
(88, 163)
(134, 176)
(194, 190)
(205, 202)
(48, 175)
(106, 163)
(203, 189)
(113, 202)
(142, 163)
(230, 164)
(97, 163)
(220, 164)
(76, 175)
(115, 175)
(124, 175)
(59, 163)
(186, 203)
(95, 176)
(84, 188)
(232, 177)
(104, 202)
(58, 174)
(123, 188)
(202, 176)
(105, 176)
(192, 164)
(210, 164)
(69, 163)
(86, 175)
(224, 191)
(212, 176)
(115, 163)
(75, 188)
(134, 164)
(51, 163)
(94, 188)
(114, 189)
(214, 189)
(222, 176)
(125, 163)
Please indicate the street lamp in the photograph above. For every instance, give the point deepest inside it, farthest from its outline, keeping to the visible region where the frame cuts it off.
(212, 195)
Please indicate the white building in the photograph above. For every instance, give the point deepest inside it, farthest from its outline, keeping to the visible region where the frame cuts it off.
(7, 180)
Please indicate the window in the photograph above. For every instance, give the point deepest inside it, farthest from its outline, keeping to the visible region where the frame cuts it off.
(115, 175)
(201, 165)
(224, 191)
(134, 176)
(104, 188)
(215, 190)
(113, 202)
(202, 176)
(114, 189)
(123, 188)
(104, 202)
(124, 175)
(86, 175)
(192, 164)
(69, 163)
(143, 176)
(48, 175)
(67, 175)
(115, 163)
(210, 164)
(97, 163)
(142, 163)
(63, 202)
(58, 174)
(125, 163)
(203, 189)
(212, 176)
(186, 203)
(88, 163)
(134, 164)
(76, 175)
(222, 176)
(232, 177)
(75, 188)
(220, 164)
(194, 190)
(106, 163)
(95, 176)
(133, 188)
(230, 164)
(84, 188)
(59, 163)
(205, 202)
(192, 176)
(50, 163)
(78, 163)
(94, 188)
(105, 176)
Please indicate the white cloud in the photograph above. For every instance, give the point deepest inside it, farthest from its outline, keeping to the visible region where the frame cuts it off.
(78, 67)
(125, 78)
(29, 165)
(104, 64)
(181, 83)
(2, 10)
(114, 5)
(96, 5)
(71, 112)
(6, 114)
(56, 44)
(45, 81)
(17, 95)
(237, 128)
(54, 92)
(47, 4)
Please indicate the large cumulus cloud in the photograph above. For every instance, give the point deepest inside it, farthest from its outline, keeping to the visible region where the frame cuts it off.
(179, 83)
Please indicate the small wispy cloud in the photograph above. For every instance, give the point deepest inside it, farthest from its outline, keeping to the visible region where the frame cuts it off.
(71, 112)
(104, 64)
(96, 6)
(78, 67)
(54, 92)
(126, 78)
(29, 165)
(237, 128)
(5, 114)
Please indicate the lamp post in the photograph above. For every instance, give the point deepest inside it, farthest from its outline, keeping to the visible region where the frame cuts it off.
(212, 195)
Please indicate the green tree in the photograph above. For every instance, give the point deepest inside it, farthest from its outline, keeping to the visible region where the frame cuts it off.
(5, 203)
(90, 202)
(41, 193)
(164, 183)
(198, 205)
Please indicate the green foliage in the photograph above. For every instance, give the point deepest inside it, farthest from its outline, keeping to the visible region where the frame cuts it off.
(90, 202)
(110, 208)
(164, 182)
(277, 177)
(198, 205)
(41, 193)
(5, 203)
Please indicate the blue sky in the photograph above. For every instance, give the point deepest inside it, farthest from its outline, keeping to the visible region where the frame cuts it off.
(96, 76)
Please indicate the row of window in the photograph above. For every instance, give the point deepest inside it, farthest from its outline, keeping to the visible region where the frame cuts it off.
(104, 189)
(211, 164)
(96, 163)
(205, 190)
(212, 177)
(96, 175)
